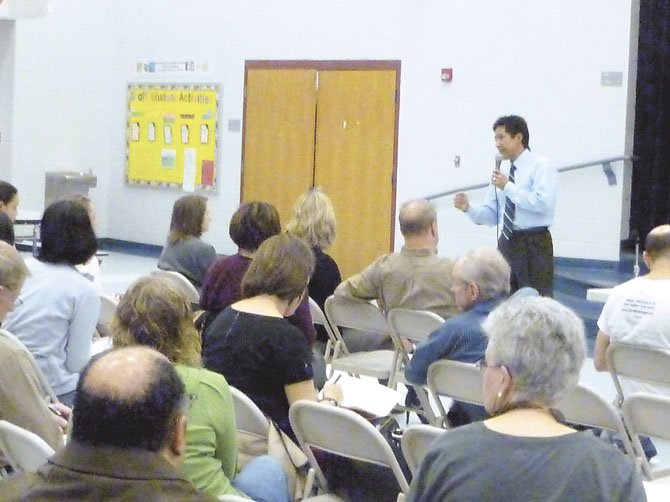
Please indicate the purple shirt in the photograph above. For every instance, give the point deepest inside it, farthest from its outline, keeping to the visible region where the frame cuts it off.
(222, 287)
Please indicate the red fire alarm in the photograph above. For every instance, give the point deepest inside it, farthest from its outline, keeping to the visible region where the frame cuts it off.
(447, 74)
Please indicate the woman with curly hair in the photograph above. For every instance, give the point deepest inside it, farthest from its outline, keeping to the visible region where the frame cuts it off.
(156, 314)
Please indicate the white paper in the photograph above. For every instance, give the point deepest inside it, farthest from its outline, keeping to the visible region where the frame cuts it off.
(188, 184)
(366, 394)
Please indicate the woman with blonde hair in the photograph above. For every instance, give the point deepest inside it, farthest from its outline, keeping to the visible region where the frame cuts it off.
(185, 252)
(156, 314)
(314, 222)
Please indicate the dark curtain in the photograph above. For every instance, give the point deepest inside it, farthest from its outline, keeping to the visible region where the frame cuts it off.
(650, 198)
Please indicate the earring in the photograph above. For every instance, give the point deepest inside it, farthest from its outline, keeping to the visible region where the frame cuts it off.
(500, 394)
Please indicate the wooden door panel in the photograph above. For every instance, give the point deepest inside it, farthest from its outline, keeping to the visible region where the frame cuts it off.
(278, 162)
(354, 161)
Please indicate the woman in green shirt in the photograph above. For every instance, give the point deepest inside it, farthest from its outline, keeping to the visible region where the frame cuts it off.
(154, 313)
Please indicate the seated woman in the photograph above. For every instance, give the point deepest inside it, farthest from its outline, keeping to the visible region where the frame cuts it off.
(9, 206)
(185, 252)
(154, 313)
(58, 307)
(535, 352)
(314, 222)
(252, 223)
(250, 342)
(90, 269)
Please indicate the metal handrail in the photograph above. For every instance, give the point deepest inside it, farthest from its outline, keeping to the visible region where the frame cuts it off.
(605, 163)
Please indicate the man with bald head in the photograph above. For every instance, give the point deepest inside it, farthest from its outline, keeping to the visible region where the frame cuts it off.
(638, 311)
(128, 436)
(415, 278)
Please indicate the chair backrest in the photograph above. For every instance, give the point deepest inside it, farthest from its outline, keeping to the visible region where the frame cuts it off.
(648, 415)
(584, 406)
(359, 315)
(341, 432)
(318, 317)
(23, 449)
(415, 325)
(248, 417)
(47, 391)
(107, 310)
(412, 325)
(415, 443)
(457, 380)
(182, 282)
(650, 364)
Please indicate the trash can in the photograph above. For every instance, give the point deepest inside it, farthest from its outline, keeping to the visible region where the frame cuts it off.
(60, 184)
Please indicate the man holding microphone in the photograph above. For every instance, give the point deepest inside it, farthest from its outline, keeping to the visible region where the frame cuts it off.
(521, 198)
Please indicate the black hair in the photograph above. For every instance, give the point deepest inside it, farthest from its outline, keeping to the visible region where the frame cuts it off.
(7, 192)
(144, 421)
(514, 125)
(67, 234)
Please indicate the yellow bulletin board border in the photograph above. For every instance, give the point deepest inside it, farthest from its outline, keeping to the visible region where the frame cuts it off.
(172, 136)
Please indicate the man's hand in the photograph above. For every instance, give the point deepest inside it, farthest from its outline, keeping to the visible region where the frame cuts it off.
(60, 414)
(461, 202)
(499, 180)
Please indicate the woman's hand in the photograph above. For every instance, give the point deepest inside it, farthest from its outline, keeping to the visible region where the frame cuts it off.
(333, 391)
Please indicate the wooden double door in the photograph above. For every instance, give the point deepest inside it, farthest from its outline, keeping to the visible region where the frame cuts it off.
(332, 125)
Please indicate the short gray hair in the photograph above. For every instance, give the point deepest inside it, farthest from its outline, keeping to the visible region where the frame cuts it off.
(541, 343)
(485, 267)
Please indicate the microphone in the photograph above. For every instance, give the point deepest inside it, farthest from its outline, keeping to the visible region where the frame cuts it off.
(499, 159)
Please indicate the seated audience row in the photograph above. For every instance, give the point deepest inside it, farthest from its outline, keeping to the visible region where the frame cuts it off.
(153, 313)
(535, 353)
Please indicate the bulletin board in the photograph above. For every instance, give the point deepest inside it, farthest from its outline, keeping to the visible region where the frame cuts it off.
(172, 136)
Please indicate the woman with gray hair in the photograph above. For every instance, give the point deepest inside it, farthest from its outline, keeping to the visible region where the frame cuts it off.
(534, 356)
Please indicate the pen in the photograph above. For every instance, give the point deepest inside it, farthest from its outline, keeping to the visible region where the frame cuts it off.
(54, 410)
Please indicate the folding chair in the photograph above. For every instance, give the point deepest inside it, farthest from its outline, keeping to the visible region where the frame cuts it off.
(649, 364)
(341, 432)
(365, 317)
(649, 415)
(457, 380)
(248, 417)
(318, 317)
(107, 312)
(413, 326)
(182, 283)
(47, 391)
(415, 443)
(583, 406)
(23, 449)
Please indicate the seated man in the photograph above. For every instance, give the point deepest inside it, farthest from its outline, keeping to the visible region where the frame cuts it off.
(416, 278)
(481, 282)
(638, 312)
(128, 436)
(21, 393)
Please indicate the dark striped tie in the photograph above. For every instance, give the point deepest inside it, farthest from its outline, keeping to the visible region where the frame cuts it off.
(510, 210)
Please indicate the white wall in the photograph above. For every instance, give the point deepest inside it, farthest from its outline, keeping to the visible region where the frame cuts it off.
(539, 59)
